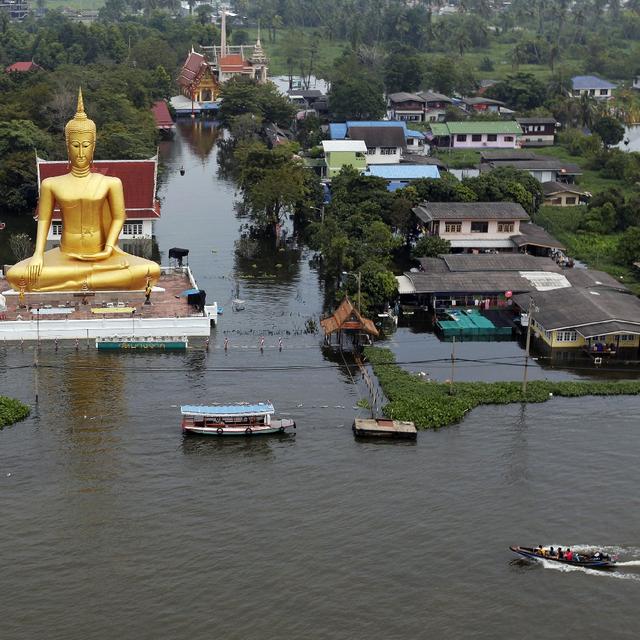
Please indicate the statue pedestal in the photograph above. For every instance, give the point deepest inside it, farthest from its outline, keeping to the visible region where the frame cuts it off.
(75, 315)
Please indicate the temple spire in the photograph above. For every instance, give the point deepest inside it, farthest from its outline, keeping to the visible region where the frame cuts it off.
(223, 34)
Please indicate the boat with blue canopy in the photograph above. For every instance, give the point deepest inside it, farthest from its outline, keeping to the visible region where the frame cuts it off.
(233, 420)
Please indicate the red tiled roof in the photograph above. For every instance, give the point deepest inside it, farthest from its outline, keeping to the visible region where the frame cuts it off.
(191, 68)
(23, 66)
(161, 115)
(138, 181)
(233, 62)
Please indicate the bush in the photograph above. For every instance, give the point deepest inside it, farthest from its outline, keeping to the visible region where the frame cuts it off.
(12, 411)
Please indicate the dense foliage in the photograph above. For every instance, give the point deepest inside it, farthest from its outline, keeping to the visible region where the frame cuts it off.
(434, 404)
(11, 411)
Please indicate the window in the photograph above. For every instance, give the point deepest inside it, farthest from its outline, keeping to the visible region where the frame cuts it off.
(56, 229)
(453, 227)
(604, 92)
(132, 229)
(476, 137)
(479, 227)
(461, 137)
(592, 92)
(627, 338)
(492, 137)
(505, 227)
(566, 336)
(508, 138)
(570, 200)
(388, 151)
(371, 151)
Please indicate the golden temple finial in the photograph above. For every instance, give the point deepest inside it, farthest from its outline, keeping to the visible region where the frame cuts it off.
(80, 114)
(80, 122)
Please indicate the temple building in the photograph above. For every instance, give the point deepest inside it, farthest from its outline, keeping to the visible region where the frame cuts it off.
(203, 73)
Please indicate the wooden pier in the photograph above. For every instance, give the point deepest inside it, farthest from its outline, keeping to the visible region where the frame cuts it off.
(384, 428)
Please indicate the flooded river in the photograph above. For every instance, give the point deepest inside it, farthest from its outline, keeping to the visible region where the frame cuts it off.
(113, 525)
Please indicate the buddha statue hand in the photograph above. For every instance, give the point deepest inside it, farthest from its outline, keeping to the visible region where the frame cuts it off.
(35, 268)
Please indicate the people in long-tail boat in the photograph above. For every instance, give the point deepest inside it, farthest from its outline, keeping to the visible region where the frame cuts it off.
(568, 555)
(560, 553)
(552, 552)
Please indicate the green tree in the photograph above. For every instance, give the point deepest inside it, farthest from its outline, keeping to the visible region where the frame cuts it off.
(244, 95)
(520, 91)
(430, 246)
(356, 98)
(628, 250)
(402, 71)
(609, 129)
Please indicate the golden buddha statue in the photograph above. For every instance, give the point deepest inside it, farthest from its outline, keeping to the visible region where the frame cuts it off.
(93, 212)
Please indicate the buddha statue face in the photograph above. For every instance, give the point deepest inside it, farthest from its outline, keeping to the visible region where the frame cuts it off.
(80, 134)
(80, 147)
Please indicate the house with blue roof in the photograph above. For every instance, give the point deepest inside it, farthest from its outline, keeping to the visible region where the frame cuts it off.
(414, 140)
(401, 175)
(591, 86)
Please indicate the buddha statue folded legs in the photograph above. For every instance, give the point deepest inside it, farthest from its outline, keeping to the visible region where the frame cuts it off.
(120, 271)
(93, 213)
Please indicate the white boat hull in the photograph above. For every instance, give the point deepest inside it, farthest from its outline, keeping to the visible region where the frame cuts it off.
(276, 426)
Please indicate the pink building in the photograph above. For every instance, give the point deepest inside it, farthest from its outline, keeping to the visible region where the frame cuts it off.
(501, 134)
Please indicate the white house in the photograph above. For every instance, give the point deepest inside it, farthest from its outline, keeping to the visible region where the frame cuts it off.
(591, 86)
(473, 226)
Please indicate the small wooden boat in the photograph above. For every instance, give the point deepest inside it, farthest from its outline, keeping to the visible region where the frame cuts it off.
(233, 420)
(384, 428)
(591, 561)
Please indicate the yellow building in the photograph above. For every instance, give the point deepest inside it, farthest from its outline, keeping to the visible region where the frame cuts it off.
(600, 319)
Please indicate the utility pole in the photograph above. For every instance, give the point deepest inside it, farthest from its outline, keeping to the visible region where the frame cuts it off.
(527, 346)
(453, 364)
(359, 277)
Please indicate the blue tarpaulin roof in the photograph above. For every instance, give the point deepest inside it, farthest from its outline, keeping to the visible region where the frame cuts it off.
(403, 171)
(189, 292)
(221, 410)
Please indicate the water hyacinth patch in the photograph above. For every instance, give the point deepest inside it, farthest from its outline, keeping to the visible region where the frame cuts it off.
(432, 405)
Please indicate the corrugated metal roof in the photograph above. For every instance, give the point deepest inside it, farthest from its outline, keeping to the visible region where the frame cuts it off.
(403, 96)
(480, 126)
(497, 262)
(344, 145)
(379, 136)
(337, 130)
(428, 211)
(531, 233)
(578, 308)
(591, 82)
(403, 171)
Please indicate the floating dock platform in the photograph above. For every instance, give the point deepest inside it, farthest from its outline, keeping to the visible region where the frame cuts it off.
(384, 428)
(109, 315)
(470, 323)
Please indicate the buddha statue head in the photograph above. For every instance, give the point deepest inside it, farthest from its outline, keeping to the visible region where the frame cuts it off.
(80, 136)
